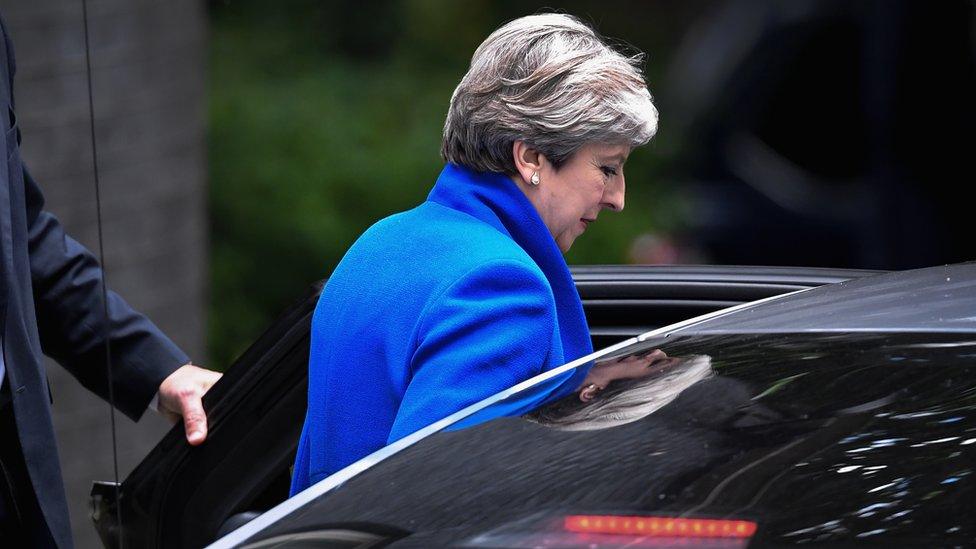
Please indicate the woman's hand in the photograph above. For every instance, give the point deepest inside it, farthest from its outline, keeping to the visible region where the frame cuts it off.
(628, 367)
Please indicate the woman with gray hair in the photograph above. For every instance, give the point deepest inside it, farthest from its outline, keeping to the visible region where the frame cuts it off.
(436, 308)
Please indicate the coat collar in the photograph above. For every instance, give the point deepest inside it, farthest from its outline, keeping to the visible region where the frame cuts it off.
(495, 199)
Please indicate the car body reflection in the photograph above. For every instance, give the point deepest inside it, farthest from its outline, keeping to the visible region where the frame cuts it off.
(815, 426)
(783, 433)
(626, 400)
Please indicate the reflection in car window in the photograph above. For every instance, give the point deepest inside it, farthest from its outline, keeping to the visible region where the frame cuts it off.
(627, 399)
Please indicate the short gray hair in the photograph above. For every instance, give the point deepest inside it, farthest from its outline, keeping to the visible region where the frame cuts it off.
(551, 81)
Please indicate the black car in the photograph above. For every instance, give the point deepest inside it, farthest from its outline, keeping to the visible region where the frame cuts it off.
(840, 415)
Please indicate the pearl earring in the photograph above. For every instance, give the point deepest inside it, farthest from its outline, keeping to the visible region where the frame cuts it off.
(535, 178)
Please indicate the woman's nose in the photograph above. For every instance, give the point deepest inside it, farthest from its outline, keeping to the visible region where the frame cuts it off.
(613, 196)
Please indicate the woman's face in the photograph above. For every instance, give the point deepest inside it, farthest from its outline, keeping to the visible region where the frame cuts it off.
(571, 198)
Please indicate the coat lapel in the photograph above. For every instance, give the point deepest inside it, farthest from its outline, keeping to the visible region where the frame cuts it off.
(496, 200)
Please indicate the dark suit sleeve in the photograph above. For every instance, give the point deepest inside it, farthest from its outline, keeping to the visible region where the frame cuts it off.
(66, 284)
(66, 280)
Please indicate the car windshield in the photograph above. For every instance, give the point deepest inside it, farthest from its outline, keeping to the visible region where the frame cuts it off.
(810, 436)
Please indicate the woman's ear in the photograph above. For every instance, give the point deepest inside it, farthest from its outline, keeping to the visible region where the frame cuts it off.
(528, 161)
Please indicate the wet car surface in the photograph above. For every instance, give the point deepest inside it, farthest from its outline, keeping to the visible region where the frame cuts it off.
(839, 415)
(814, 438)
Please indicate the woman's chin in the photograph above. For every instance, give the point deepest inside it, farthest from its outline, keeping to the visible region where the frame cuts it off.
(565, 241)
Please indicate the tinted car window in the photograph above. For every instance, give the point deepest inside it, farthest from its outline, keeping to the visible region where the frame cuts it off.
(812, 437)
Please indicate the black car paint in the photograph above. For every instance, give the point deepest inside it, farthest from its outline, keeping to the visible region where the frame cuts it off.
(182, 496)
(839, 415)
(816, 437)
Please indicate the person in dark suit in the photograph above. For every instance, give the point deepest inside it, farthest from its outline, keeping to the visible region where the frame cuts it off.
(51, 302)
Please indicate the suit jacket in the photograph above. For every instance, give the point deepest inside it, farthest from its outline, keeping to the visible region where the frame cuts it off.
(51, 302)
(432, 310)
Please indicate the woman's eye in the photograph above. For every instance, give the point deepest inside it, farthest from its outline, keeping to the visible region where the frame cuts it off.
(608, 171)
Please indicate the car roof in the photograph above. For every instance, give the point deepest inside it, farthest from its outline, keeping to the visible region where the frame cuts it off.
(934, 299)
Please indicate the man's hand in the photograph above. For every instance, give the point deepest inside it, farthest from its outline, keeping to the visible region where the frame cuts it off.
(181, 394)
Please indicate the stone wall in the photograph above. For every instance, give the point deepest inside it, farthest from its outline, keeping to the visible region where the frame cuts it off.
(149, 92)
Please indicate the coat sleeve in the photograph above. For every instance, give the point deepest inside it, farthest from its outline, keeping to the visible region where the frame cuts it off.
(489, 330)
(66, 280)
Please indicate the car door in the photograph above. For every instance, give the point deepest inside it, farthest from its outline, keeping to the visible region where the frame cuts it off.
(187, 496)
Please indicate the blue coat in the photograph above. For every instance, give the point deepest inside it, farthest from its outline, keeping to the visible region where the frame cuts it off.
(434, 309)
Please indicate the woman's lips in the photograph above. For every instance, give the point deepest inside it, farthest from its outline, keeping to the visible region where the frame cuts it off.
(586, 221)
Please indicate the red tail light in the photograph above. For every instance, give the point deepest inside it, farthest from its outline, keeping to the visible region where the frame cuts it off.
(546, 530)
(659, 526)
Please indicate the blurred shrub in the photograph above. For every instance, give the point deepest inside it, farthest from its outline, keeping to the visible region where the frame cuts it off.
(324, 118)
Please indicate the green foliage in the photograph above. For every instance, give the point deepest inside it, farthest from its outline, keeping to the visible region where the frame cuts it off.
(326, 117)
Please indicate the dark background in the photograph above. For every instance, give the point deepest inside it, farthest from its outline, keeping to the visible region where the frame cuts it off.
(819, 133)
(244, 145)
